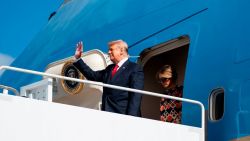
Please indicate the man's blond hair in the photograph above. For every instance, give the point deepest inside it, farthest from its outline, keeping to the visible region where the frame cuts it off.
(122, 44)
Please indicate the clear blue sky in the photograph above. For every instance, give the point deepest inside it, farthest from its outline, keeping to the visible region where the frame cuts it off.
(21, 20)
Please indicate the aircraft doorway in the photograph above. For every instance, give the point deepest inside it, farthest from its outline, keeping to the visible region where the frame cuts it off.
(173, 53)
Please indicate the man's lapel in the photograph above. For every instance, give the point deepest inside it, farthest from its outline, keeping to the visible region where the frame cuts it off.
(110, 73)
(121, 69)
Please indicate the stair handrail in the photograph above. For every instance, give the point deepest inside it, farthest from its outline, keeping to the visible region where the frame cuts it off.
(9, 88)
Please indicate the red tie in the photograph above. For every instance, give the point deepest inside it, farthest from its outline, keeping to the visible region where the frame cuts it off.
(114, 70)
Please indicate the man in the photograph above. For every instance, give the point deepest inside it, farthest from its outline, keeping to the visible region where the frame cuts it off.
(122, 73)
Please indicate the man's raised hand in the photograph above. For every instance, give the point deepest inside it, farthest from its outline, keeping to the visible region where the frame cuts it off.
(79, 50)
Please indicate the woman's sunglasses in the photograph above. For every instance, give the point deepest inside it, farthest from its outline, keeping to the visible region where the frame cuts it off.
(164, 79)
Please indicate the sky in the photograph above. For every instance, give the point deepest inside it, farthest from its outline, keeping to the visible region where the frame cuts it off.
(20, 21)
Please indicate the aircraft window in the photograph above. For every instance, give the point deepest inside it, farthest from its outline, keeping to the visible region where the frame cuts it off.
(216, 104)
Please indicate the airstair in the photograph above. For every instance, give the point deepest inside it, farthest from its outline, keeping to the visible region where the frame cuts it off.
(33, 117)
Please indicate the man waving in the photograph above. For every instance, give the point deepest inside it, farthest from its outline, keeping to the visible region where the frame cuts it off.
(122, 73)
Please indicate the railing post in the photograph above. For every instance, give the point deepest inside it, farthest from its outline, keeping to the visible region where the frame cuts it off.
(5, 91)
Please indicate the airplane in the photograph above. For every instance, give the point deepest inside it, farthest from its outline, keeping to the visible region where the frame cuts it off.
(207, 41)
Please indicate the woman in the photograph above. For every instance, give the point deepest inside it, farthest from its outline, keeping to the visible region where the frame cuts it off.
(170, 110)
